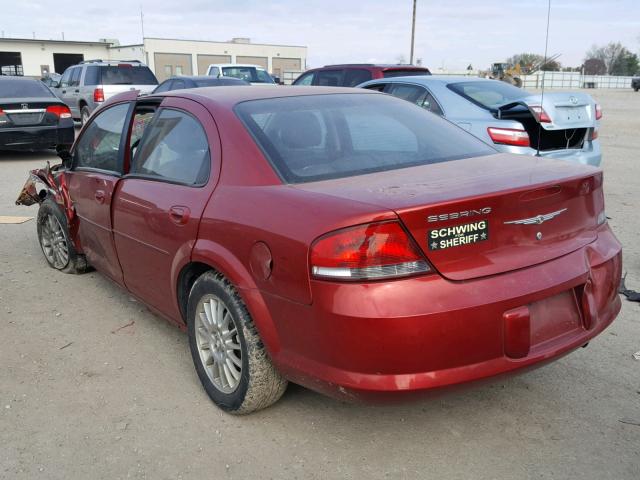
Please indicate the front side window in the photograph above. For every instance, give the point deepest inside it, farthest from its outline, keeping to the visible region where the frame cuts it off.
(316, 137)
(66, 76)
(99, 146)
(174, 148)
(330, 78)
(215, 71)
(356, 76)
(75, 77)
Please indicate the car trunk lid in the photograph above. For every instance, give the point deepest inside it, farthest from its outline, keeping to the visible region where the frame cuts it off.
(486, 215)
(27, 112)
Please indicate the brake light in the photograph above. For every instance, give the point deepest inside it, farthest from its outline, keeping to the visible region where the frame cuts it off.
(366, 252)
(60, 111)
(594, 134)
(98, 95)
(540, 115)
(598, 111)
(509, 136)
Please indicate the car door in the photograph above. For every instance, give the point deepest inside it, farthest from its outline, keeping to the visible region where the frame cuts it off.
(159, 202)
(74, 92)
(63, 86)
(96, 170)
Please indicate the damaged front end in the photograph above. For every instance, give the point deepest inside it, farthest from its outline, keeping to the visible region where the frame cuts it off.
(54, 186)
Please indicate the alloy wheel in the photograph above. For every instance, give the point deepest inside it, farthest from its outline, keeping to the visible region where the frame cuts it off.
(54, 242)
(218, 343)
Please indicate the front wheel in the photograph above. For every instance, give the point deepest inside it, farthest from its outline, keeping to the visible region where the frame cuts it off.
(229, 356)
(55, 240)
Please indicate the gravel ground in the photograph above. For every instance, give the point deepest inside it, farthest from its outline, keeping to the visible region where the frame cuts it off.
(92, 385)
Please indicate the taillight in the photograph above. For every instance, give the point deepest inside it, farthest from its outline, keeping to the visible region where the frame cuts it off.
(98, 95)
(540, 115)
(598, 111)
(366, 252)
(594, 134)
(509, 136)
(60, 111)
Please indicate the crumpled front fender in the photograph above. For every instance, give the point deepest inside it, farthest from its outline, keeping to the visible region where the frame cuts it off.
(54, 185)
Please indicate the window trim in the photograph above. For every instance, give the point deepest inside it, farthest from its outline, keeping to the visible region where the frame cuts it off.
(123, 137)
(157, 178)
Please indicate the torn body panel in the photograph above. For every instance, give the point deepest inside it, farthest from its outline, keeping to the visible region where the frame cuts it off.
(53, 180)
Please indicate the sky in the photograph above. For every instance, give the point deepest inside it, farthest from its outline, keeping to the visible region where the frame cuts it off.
(450, 34)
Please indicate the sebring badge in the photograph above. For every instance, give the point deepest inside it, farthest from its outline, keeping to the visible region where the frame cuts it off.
(537, 220)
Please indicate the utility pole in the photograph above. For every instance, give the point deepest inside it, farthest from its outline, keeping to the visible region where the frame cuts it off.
(413, 32)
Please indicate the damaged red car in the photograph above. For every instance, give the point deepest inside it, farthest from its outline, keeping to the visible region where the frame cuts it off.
(341, 239)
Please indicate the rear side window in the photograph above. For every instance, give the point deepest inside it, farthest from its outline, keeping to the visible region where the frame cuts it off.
(317, 137)
(356, 77)
(417, 95)
(404, 73)
(23, 88)
(127, 75)
(174, 148)
(92, 75)
(99, 145)
(329, 78)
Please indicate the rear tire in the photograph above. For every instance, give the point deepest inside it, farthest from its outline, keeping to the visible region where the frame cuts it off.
(55, 240)
(635, 89)
(84, 115)
(229, 357)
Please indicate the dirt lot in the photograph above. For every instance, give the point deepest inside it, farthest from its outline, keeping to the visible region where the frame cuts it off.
(81, 397)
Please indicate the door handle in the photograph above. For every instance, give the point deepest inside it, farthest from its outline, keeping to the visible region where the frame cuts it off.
(179, 215)
(64, 91)
(99, 196)
(77, 91)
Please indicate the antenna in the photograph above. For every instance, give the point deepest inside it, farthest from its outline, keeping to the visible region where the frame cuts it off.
(544, 74)
(413, 32)
(142, 23)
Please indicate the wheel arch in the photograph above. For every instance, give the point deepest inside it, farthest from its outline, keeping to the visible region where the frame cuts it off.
(208, 255)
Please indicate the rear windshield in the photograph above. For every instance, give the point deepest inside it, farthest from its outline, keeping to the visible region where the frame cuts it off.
(404, 73)
(126, 75)
(317, 137)
(488, 94)
(248, 74)
(22, 88)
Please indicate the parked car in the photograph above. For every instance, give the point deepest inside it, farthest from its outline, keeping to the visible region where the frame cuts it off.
(85, 86)
(254, 74)
(183, 82)
(341, 239)
(635, 83)
(563, 126)
(350, 75)
(31, 117)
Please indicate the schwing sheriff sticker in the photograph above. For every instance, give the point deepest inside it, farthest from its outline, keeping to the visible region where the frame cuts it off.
(457, 235)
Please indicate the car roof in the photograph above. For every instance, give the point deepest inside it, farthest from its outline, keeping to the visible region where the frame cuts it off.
(231, 95)
(431, 79)
(236, 65)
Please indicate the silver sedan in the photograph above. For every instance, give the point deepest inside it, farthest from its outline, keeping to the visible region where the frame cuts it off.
(560, 125)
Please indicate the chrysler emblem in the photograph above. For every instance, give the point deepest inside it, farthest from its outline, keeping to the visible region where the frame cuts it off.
(537, 220)
(573, 100)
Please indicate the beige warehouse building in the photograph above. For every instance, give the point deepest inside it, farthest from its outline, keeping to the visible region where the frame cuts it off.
(166, 57)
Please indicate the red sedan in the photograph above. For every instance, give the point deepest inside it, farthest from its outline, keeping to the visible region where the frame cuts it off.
(341, 239)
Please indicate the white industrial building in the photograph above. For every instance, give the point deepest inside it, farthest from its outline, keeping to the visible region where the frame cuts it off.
(166, 57)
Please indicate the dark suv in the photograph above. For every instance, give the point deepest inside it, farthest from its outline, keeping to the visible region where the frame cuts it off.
(350, 75)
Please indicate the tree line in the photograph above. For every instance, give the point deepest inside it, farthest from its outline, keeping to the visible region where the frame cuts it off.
(611, 59)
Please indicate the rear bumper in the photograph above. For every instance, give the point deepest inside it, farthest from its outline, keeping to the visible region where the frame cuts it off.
(33, 138)
(590, 154)
(385, 340)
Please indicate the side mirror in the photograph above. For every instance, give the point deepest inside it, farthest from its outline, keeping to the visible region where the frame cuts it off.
(55, 84)
(65, 156)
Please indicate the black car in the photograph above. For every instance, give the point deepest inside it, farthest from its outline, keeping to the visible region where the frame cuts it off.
(179, 83)
(32, 117)
(635, 83)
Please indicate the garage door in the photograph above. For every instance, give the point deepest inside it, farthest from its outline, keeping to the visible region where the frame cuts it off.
(169, 64)
(205, 60)
(262, 61)
(281, 65)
